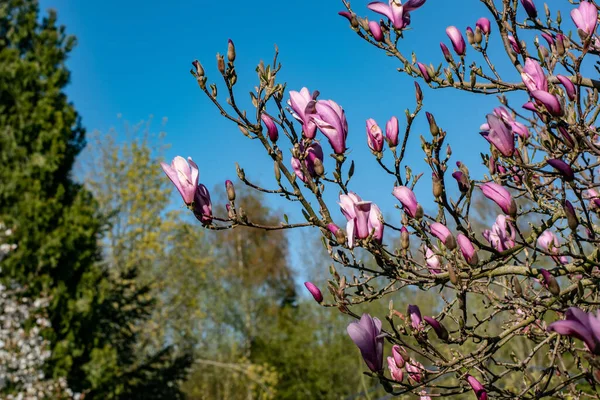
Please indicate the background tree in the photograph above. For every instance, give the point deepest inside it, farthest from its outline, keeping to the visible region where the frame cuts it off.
(93, 315)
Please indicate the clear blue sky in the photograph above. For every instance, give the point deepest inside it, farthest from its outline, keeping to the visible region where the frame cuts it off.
(133, 58)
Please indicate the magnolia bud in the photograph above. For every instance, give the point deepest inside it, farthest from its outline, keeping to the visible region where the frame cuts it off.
(571, 215)
(340, 237)
(277, 171)
(470, 36)
(199, 68)
(478, 36)
(453, 276)
(404, 238)
(419, 213)
(438, 189)
(318, 167)
(230, 51)
(517, 286)
(418, 93)
(433, 128)
(220, 63)
(230, 190)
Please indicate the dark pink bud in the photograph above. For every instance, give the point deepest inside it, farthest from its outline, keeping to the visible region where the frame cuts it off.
(462, 180)
(230, 189)
(549, 282)
(439, 329)
(399, 355)
(548, 38)
(549, 101)
(446, 53)
(271, 127)
(563, 168)
(478, 388)
(467, 249)
(571, 215)
(484, 24)
(424, 72)
(415, 316)
(569, 87)
(458, 42)
(443, 234)
(202, 205)
(500, 196)
(391, 132)
(375, 29)
(314, 291)
(374, 136)
(513, 43)
(529, 8)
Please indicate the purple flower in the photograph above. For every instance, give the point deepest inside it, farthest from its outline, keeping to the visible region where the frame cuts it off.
(314, 291)
(303, 106)
(516, 126)
(441, 232)
(499, 134)
(367, 336)
(549, 101)
(548, 38)
(439, 329)
(433, 261)
(202, 206)
(568, 85)
(585, 17)
(513, 43)
(396, 372)
(415, 370)
(581, 325)
(424, 72)
(500, 196)
(533, 76)
(374, 136)
(467, 249)
(184, 176)
(313, 153)
(375, 29)
(502, 235)
(462, 180)
(391, 131)
(415, 316)
(271, 127)
(331, 120)
(458, 42)
(398, 14)
(549, 242)
(484, 24)
(363, 218)
(399, 355)
(529, 8)
(563, 168)
(446, 53)
(408, 200)
(478, 388)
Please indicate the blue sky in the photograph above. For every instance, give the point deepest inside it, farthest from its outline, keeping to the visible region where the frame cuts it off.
(133, 59)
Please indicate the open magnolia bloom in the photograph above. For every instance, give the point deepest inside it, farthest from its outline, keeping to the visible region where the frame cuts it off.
(481, 255)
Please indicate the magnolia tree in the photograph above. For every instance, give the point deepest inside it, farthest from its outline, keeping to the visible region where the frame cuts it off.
(534, 269)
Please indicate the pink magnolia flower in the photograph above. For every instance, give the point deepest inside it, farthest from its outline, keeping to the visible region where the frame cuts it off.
(367, 336)
(313, 152)
(396, 12)
(568, 85)
(500, 196)
(391, 132)
(375, 29)
(363, 218)
(467, 249)
(303, 105)
(184, 176)
(433, 261)
(457, 39)
(408, 200)
(484, 24)
(271, 127)
(585, 17)
(441, 232)
(581, 325)
(415, 316)
(507, 117)
(499, 134)
(395, 371)
(424, 72)
(415, 370)
(502, 235)
(399, 354)
(374, 136)
(549, 242)
(533, 76)
(331, 120)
